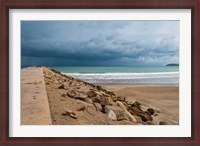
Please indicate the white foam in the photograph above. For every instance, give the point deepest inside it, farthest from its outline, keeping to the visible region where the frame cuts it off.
(129, 78)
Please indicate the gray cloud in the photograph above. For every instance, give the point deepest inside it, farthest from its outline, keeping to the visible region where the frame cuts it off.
(99, 42)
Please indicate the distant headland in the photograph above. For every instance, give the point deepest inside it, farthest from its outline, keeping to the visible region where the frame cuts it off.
(172, 64)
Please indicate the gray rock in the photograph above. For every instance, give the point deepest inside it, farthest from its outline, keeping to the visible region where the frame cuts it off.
(112, 115)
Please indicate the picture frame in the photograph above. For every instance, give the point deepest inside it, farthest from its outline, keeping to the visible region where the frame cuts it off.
(7, 5)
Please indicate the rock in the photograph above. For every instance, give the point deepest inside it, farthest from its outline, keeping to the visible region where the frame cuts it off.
(60, 81)
(145, 116)
(150, 123)
(138, 118)
(69, 113)
(102, 100)
(163, 123)
(148, 112)
(144, 123)
(155, 115)
(140, 123)
(91, 94)
(151, 111)
(120, 104)
(47, 76)
(110, 93)
(91, 110)
(64, 95)
(122, 116)
(132, 118)
(57, 82)
(135, 110)
(113, 103)
(61, 87)
(98, 106)
(82, 108)
(106, 95)
(119, 112)
(136, 104)
(112, 115)
(88, 100)
(81, 96)
(99, 88)
(71, 94)
(120, 98)
(105, 100)
(96, 99)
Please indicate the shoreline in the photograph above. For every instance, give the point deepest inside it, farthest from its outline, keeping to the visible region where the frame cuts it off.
(70, 105)
(135, 85)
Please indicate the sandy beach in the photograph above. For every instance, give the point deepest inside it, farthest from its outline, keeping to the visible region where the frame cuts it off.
(100, 72)
(64, 100)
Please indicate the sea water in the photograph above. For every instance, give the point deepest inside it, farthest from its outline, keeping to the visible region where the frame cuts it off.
(163, 75)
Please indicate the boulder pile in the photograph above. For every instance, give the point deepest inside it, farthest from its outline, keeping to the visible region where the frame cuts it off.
(97, 99)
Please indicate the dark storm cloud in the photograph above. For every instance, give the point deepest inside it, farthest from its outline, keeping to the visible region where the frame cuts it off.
(100, 42)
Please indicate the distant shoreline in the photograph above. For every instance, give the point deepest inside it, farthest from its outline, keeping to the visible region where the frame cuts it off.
(172, 64)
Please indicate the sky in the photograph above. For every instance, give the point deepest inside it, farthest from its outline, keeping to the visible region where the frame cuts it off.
(99, 43)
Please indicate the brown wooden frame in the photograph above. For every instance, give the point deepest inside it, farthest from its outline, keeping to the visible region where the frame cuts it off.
(194, 5)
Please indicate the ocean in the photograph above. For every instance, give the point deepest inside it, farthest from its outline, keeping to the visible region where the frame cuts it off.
(163, 75)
